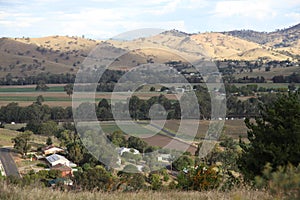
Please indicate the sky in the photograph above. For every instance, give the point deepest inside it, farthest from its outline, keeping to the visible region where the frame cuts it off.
(102, 19)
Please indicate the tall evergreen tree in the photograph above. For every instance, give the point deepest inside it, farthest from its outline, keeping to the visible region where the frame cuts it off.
(274, 137)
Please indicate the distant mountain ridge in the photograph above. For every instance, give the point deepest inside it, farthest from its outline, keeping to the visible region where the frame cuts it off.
(285, 39)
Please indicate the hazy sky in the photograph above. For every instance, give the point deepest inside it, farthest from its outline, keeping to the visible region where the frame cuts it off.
(105, 18)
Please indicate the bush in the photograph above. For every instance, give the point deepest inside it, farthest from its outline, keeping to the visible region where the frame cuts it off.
(284, 183)
(131, 169)
(201, 178)
(183, 162)
(155, 181)
(42, 165)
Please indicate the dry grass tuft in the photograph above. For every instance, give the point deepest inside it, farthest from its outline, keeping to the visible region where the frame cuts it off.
(8, 192)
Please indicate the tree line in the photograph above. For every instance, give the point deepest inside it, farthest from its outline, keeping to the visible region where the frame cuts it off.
(38, 113)
(293, 78)
(109, 76)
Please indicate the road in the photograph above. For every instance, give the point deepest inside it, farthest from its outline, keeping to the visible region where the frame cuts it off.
(8, 163)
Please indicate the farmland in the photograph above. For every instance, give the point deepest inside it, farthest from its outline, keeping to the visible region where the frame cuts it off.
(232, 128)
(56, 96)
(269, 74)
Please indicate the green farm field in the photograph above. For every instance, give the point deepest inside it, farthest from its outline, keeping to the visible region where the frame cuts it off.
(19, 89)
(232, 128)
(55, 96)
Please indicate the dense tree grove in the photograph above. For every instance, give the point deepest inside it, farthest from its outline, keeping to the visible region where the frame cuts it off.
(293, 78)
(34, 113)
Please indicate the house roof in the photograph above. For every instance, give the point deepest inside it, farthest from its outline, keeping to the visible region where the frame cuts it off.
(55, 157)
(47, 147)
(61, 180)
(61, 167)
(51, 147)
(58, 158)
(57, 180)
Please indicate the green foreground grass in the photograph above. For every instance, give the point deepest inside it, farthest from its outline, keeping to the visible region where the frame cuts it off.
(9, 192)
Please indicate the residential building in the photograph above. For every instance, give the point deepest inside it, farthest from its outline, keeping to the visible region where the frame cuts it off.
(58, 159)
(65, 170)
(51, 150)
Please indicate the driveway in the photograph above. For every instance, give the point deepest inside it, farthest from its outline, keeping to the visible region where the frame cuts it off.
(8, 163)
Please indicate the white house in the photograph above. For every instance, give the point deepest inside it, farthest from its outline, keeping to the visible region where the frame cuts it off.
(130, 150)
(58, 159)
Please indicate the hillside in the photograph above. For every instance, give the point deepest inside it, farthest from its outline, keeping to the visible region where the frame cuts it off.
(61, 54)
(221, 46)
(27, 56)
(287, 40)
(170, 42)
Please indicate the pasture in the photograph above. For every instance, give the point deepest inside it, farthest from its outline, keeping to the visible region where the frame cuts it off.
(232, 128)
(24, 95)
(56, 96)
(269, 74)
(6, 136)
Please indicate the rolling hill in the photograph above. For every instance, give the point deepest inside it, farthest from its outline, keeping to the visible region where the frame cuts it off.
(286, 40)
(61, 54)
(220, 46)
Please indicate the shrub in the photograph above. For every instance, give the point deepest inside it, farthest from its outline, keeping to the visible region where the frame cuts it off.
(155, 181)
(284, 183)
(42, 165)
(201, 178)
